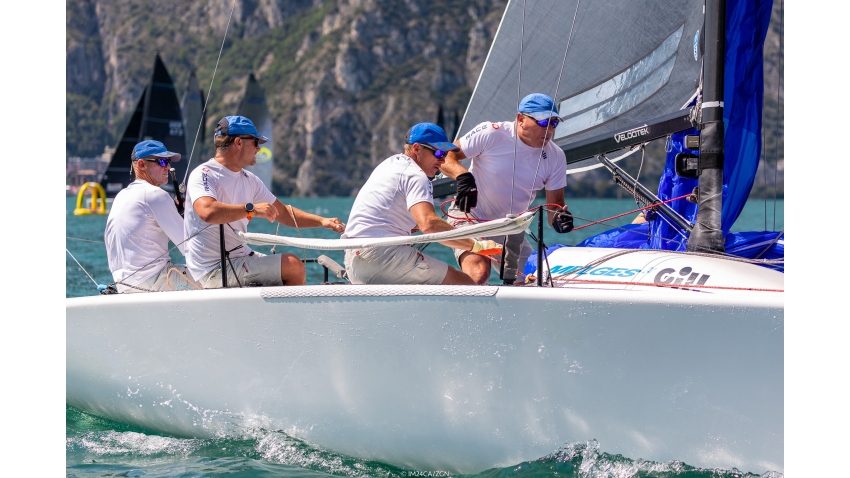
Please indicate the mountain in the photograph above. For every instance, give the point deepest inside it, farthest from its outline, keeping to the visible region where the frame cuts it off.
(344, 79)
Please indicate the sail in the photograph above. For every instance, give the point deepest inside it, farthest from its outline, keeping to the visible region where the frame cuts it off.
(157, 116)
(627, 62)
(194, 119)
(253, 106)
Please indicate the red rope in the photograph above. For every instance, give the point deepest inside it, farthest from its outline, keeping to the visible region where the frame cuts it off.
(630, 212)
(473, 219)
(675, 286)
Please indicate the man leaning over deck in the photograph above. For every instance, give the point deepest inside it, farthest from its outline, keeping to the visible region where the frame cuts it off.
(220, 191)
(396, 200)
(142, 219)
(511, 161)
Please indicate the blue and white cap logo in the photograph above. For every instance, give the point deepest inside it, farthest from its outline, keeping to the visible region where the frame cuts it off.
(696, 46)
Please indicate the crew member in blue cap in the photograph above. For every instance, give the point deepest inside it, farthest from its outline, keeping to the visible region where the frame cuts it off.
(511, 161)
(397, 200)
(142, 219)
(220, 191)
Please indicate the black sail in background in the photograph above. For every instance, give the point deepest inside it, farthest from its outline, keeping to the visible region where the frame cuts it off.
(253, 106)
(157, 116)
(629, 62)
(194, 119)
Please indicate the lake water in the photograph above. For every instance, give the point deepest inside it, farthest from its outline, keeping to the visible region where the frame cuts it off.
(99, 447)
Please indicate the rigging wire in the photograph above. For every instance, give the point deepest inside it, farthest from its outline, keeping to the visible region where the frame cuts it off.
(554, 95)
(518, 85)
(778, 88)
(209, 91)
(81, 267)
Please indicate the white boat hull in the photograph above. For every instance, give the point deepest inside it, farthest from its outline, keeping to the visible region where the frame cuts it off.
(456, 379)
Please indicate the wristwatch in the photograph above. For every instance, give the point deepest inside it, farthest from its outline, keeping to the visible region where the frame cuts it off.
(249, 208)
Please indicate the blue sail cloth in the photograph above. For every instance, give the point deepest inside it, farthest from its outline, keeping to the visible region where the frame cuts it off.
(750, 245)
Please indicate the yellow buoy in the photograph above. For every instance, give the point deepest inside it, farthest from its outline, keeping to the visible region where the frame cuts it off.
(98, 200)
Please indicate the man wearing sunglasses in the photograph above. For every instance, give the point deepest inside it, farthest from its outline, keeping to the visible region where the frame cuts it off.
(397, 199)
(510, 162)
(142, 219)
(220, 191)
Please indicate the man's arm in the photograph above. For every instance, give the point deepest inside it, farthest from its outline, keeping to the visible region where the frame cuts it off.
(429, 223)
(452, 167)
(165, 213)
(305, 219)
(554, 197)
(215, 212)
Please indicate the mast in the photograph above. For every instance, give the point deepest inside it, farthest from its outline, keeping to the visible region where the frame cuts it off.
(707, 234)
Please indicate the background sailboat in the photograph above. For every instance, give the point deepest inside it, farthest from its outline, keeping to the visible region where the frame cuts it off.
(194, 119)
(157, 116)
(254, 107)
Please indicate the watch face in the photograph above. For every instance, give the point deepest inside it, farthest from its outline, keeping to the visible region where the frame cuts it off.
(249, 207)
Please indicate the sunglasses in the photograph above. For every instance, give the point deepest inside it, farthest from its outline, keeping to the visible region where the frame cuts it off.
(160, 161)
(438, 153)
(553, 122)
(256, 140)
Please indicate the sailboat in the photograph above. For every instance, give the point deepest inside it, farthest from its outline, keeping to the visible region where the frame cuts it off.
(253, 105)
(194, 118)
(656, 354)
(157, 116)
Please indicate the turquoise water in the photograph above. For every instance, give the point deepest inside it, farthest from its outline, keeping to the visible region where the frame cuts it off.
(85, 234)
(96, 447)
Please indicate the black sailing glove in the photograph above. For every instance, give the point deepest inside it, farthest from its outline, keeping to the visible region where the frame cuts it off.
(563, 221)
(467, 192)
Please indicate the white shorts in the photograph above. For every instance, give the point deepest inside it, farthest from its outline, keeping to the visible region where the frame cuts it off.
(524, 253)
(393, 265)
(254, 270)
(170, 277)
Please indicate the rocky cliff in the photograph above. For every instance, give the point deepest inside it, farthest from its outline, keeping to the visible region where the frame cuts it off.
(344, 78)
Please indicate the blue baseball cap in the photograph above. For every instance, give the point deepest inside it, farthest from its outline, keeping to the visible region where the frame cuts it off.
(155, 149)
(538, 106)
(430, 134)
(238, 125)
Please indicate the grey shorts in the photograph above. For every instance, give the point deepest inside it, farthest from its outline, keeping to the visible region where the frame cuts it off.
(523, 255)
(170, 277)
(393, 265)
(254, 270)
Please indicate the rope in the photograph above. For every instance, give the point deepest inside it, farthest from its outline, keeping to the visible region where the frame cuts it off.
(81, 267)
(83, 240)
(168, 283)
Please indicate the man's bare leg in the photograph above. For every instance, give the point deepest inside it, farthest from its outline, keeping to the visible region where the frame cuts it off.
(456, 277)
(292, 271)
(475, 266)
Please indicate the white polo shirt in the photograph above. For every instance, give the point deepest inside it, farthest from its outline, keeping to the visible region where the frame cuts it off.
(382, 207)
(142, 219)
(212, 179)
(491, 147)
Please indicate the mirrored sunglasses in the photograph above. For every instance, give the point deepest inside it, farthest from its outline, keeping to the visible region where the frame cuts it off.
(553, 122)
(161, 161)
(438, 153)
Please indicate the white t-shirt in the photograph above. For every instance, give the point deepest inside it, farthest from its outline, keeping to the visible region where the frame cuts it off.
(382, 207)
(491, 147)
(203, 251)
(142, 219)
